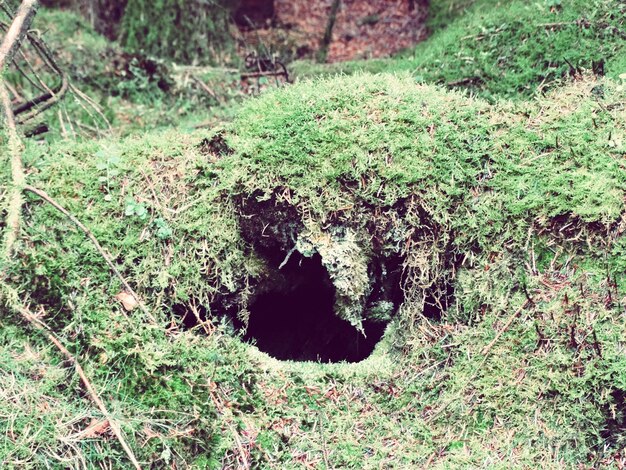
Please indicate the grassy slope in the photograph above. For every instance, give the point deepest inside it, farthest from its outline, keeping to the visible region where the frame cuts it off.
(518, 187)
(507, 49)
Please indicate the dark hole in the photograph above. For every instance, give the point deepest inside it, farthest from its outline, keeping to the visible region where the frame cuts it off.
(292, 318)
(437, 300)
(188, 317)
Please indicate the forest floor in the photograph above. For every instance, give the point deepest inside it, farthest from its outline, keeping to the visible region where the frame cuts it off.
(462, 201)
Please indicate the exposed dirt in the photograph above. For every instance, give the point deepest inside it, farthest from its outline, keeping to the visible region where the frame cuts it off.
(362, 29)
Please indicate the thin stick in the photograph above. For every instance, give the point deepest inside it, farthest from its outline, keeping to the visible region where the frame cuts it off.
(91, 103)
(42, 102)
(18, 29)
(205, 87)
(9, 46)
(93, 394)
(15, 198)
(43, 195)
(263, 74)
(506, 326)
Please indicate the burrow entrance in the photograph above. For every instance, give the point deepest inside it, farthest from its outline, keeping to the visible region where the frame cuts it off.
(319, 296)
(292, 317)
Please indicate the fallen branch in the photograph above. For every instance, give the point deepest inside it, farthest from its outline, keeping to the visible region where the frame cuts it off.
(15, 199)
(38, 324)
(42, 102)
(487, 349)
(206, 88)
(465, 81)
(264, 74)
(18, 29)
(9, 46)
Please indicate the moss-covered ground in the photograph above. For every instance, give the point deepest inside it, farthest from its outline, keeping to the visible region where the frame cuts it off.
(508, 50)
(509, 214)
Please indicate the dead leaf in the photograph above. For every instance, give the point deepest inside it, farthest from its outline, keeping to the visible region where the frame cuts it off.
(128, 301)
(95, 429)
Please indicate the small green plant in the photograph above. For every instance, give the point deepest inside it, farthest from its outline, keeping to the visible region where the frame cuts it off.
(135, 209)
(164, 231)
(108, 164)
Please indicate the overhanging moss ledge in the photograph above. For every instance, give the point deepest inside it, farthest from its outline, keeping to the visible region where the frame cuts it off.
(366, 282)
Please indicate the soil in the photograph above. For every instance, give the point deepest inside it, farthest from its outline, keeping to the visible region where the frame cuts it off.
(362, 29)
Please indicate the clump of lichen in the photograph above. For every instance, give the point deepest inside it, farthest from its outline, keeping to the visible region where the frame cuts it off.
(346, 264)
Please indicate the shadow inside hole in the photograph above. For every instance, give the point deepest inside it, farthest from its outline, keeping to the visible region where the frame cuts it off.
(293, 318)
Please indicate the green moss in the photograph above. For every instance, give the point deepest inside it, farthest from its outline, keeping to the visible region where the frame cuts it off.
(409, 170)
(495, 201)
(186, 33)
(507, 49)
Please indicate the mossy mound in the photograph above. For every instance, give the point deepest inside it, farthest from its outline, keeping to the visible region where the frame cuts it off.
(438, 212)
(391, 182)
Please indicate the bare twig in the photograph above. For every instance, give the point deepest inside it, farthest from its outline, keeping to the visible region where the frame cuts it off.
(91, 391)
(15, 198)
(43, 195)
(487, 349)
(18, 29)
(465, 81)
(16, 96)
(17, 66)
(92, 104)
(42, 102)
(269, 73)
(206, 88)
(10, 44)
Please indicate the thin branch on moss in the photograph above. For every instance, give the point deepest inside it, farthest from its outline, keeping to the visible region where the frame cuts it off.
(38, 324)
(15, 148)
(92, 104)
(9, 46)
(18, 29)
(43, 195)
(485, 352)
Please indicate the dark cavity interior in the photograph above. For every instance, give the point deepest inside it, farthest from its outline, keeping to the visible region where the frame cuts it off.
(292, 317)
